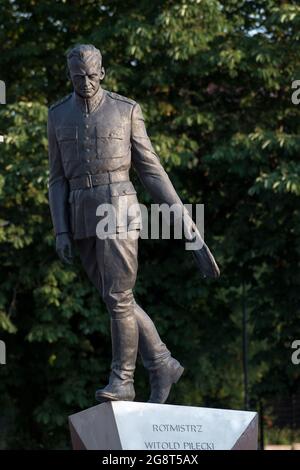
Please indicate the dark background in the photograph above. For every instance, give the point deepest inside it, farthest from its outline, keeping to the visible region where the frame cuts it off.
(214, 79)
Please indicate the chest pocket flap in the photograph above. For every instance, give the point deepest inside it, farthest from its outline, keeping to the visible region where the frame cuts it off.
(67, 133)
(110, 132)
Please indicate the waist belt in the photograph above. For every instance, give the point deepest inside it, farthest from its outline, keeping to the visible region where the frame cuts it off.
(89, 181)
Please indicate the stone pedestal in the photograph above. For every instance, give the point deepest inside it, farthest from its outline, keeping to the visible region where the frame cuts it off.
(146, 426)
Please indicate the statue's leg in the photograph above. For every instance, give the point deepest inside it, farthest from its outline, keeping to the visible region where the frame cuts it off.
(111, 264)
(87, 251)
(117, 258)
(163, 369)
(151, 348)
(124, 336)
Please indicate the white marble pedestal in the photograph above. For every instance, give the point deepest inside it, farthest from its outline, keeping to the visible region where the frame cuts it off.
(146, 426)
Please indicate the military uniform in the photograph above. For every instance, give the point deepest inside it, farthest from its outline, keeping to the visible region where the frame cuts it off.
(91, 149)
(92, 144)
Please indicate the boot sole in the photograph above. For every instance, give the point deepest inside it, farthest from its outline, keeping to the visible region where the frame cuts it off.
(103, 397)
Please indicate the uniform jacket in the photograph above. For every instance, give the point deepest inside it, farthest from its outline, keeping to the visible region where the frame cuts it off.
(108, 138)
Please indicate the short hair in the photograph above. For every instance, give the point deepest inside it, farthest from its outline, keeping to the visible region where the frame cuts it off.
(84, 53)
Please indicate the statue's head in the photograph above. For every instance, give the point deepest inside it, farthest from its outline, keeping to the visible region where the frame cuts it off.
(85, 69)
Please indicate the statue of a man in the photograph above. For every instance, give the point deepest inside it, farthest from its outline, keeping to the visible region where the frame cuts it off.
(94, 136)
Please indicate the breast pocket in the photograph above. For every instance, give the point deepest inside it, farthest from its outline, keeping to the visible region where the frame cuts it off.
(126, 206)
(111, 142)
(67, 138)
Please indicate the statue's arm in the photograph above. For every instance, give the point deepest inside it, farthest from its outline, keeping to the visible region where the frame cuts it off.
(157, 182)
(58, 198)
(58, 184)
(147, 164)
(151, 172)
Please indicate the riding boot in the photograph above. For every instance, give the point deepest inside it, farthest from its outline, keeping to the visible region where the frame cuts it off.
(124, 334)
(163, 369)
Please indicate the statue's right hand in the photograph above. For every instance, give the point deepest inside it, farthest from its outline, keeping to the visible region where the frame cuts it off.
(64, 247)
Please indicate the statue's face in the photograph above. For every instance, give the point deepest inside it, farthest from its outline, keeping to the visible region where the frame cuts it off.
(86, 77)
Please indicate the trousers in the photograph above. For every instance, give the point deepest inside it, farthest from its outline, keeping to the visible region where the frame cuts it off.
(111, 265)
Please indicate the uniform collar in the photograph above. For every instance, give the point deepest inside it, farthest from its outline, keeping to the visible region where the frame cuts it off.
(89, 105)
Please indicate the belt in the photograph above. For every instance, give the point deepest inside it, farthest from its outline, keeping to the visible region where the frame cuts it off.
(89, 181)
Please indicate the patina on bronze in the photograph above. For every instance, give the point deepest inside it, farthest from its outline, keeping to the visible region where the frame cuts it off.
(94, 136)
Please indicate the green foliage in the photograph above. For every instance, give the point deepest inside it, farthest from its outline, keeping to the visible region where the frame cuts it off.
(281, 436)
(214, 81)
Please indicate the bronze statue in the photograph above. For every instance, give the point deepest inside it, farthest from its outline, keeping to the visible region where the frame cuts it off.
(94, 135)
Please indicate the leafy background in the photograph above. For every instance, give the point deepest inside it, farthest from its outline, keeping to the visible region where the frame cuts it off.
(214, 81)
